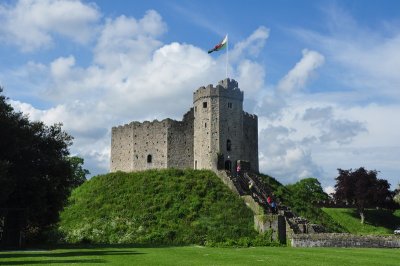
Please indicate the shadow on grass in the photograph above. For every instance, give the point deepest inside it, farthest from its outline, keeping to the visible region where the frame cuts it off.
(69, 253)
(379, 218)
(42, 262)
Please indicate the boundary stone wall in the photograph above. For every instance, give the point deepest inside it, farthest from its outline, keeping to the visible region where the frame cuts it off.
(344, 240)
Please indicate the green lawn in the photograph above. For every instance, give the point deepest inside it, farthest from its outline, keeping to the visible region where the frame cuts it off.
(193, 255)
(377, 222)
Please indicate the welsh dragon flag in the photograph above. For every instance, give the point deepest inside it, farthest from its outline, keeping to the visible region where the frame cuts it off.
(220, 46)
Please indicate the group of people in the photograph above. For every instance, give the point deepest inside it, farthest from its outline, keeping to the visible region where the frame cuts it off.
(272, 207)
(271, 203)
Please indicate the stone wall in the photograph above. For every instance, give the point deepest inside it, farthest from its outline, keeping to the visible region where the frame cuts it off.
(250, 140)
(201, 127)
(132, 144)
(275, 223)
(344, 240)
(180, 142)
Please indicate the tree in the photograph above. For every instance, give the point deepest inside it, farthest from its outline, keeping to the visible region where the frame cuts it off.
(303, 198)
(35, 172)
(78, 172)
(363, 189)
(306, 193)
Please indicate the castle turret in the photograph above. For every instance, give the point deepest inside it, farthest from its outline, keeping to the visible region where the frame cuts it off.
(218, 125)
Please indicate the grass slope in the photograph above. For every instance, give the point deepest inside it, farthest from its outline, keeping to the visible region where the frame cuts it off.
(305, 209)
(156, 207)
(206, 256)
(377, 222)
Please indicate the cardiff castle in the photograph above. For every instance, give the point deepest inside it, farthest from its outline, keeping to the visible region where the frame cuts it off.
(215, 134)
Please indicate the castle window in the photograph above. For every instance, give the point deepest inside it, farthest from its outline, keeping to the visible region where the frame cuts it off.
(149, 158)
(228, 145)
(229, 105)
(204, 104)
(205, 125)
(195, 108)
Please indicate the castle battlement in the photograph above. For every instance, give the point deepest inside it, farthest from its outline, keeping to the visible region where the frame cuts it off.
(216, 125)
(226, 88)
(251, 116)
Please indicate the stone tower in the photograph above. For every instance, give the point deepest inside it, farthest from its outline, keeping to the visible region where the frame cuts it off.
(214, 134)
(219, 127)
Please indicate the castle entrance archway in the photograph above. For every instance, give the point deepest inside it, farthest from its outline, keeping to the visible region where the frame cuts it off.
(228, 165)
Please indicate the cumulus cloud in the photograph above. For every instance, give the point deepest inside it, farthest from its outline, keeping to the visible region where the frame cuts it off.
(284, 157)
(251, 75)
(330, 190)
(252, 45)
(33, 24)
(340, 130)
(275, 98)
(318, 113)
(125, 40)
(298, 76)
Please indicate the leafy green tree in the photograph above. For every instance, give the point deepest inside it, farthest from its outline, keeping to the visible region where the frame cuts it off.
(78, 172)
(305, 194)
(363, 189)
(35, 172)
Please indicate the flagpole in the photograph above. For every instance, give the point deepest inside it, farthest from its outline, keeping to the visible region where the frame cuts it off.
(227, 55)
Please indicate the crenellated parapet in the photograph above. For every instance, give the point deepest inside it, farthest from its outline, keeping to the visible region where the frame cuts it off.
(250, 116)
(227, 88)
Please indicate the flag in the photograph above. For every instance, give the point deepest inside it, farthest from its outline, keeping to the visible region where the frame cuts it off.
(220, 46)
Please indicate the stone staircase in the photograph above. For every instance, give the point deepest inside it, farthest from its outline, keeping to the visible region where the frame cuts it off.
(256, 199)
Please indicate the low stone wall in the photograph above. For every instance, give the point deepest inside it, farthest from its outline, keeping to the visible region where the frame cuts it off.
(276, 223)
(344, 240)
(227, 181)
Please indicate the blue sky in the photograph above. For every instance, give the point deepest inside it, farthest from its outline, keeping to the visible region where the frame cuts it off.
(321, 75)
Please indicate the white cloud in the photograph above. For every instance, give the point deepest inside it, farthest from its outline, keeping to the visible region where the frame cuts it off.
(61, 67)
(33, 24)
(251, 46)
(128, 41)
(298, 76)
(251, 76)
(329, 190)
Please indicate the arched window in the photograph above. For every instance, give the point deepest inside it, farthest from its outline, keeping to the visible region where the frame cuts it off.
(149, 158)
(228, 145)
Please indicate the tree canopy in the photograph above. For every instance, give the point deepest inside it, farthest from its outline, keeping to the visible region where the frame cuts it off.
(303, 197)
(363, 189)
(35, 171)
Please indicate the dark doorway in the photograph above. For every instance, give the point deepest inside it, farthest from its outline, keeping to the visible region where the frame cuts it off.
(228, 165)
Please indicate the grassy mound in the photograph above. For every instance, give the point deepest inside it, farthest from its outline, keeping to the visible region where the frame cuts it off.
(377, 222)
(156, 207)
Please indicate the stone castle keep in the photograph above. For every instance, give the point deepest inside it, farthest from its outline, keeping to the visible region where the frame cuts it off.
(214, 134)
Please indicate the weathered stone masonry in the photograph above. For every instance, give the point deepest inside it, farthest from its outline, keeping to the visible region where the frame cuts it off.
(215, 126)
